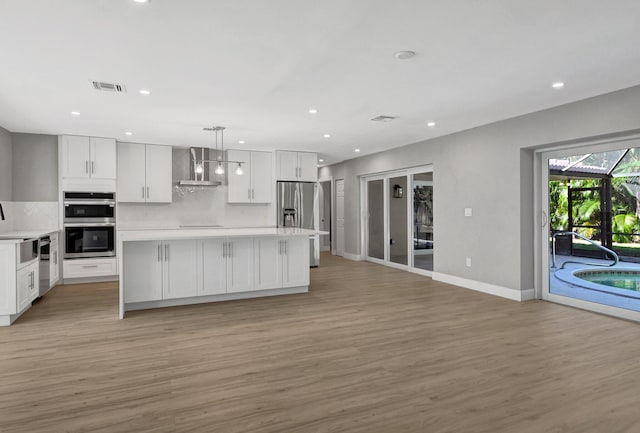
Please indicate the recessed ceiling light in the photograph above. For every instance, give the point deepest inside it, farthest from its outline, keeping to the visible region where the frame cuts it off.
(558, 85)
(357, 150)
(327, 135)
(313, 111)
(75, 113)
(128, 133)
(321, 160)
(144, 92)
(241, 141)
(404, 55)
(431, 124)
(141, 1)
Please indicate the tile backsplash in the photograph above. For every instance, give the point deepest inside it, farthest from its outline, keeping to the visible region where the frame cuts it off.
(34, 215)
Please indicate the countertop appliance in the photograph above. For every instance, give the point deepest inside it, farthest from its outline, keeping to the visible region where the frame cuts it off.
(89, 224)
(45, 261)
(297, 206)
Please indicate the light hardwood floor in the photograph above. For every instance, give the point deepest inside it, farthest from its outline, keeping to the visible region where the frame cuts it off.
(369, 349)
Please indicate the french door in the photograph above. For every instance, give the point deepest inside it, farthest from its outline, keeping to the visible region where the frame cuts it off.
(398, 219)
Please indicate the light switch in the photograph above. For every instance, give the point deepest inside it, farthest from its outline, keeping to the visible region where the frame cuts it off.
(468, 262)
(468, 211)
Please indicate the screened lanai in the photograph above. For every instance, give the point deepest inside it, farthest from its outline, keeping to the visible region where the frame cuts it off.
(598, 196)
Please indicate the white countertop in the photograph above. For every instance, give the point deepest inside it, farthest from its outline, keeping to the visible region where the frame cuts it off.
(26, 234)
(127, 235)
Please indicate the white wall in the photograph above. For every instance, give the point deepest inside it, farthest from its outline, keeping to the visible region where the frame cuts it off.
(6, 178)
(35, 167)
(489, 169)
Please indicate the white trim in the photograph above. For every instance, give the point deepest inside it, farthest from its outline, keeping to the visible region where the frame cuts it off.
(419, 271)
(354, 257)
(479, 286)
(595, 307)
(214, 298)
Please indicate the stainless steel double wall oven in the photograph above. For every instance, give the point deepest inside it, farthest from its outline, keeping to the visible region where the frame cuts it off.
(89, 224)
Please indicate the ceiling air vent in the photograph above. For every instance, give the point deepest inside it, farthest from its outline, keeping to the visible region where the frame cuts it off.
(384, 118)
(109, 87)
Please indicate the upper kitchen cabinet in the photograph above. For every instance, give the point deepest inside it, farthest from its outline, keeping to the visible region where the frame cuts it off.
(255, 185)
(297, 166)
(87, 163)
(144, 173)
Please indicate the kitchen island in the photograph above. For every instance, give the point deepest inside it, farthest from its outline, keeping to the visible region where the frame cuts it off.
(169, 267)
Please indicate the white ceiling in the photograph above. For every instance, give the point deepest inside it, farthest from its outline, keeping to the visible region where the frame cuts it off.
(257, 66)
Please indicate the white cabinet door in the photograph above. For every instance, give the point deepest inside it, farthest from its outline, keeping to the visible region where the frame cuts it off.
(159, 174)
(239, 187)
(287, 163)
(27, 280)
(54, 264)
(214, 267)
(261, 177)
(308, 167)
(179, 269)
(76, 157)
(295, 269)
(103, 158)
(239, 265)
(142, 271)
(131, 173)
(268, 262)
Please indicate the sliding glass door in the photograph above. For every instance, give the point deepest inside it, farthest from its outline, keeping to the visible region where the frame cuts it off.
(398, 222)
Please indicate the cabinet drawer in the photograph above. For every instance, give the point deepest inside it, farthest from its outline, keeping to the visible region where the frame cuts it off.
(86, 268)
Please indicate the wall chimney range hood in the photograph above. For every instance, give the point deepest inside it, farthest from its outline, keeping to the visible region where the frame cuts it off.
(199, 173)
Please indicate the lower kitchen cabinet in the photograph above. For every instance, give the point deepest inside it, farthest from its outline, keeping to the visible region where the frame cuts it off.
(160, 270)
(227, 266)
(27, 282)
(281, 262)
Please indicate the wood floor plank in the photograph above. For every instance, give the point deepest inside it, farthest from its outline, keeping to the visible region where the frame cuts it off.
(368, 349)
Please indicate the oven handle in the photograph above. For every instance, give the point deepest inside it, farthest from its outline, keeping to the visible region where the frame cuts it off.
(90, 225)
(97, 202)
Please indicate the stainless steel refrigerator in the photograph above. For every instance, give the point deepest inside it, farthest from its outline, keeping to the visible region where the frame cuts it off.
(298, 207)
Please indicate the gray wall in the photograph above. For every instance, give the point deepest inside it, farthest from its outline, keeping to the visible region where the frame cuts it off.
(35, 167)
(489, 169)
(6, 173)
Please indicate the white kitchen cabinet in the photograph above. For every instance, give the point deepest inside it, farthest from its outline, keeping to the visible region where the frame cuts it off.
(239, 265)
(76, 155)
(155, 270)
(297, 166)
(143, 271)
(227, 266)
(179, 269)
(295, 266)
(54, 261)
(87, 163)
(267, 263)
(213, 261)
(281, 262)
(144, 173)
(27, 280)
(256, 184)
(103, 158)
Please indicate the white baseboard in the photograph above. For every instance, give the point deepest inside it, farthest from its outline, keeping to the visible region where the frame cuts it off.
(492, 289)
(354, 257)
(325, 248)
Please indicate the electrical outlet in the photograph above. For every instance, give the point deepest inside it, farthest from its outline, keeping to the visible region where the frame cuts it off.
(468, 212)
(468, 262)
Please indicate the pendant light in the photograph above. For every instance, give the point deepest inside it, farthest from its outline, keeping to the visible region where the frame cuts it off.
(220, 161)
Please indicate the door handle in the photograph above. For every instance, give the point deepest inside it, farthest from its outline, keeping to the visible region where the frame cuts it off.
(224, 250)
(86, 166)
(143, 192)
(253, 193)
(147, 192)
(286, 247)
(249, 193)
(93, 167)
(159, 253)
(166, 252)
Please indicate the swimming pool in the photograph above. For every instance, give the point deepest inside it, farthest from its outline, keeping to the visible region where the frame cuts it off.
(623, 282)
(621, 279)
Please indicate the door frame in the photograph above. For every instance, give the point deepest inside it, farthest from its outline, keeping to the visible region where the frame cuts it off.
(364, 218)
(541, 218)
(332, 215)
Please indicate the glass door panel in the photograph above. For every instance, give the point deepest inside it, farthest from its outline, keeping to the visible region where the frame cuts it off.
(398, 220)
(422, 191)
(375, 208)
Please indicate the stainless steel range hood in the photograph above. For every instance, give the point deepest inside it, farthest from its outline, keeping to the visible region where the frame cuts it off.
(199, 168)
